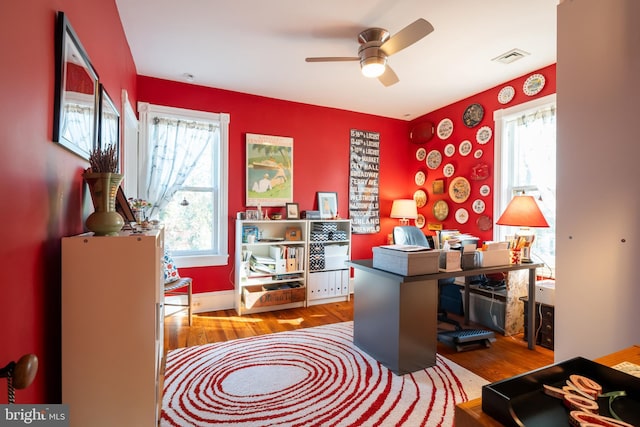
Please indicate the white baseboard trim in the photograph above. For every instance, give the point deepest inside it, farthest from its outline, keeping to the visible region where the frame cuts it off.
(213, 301)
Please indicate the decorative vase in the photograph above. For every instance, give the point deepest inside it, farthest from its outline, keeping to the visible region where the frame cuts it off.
(103, 186)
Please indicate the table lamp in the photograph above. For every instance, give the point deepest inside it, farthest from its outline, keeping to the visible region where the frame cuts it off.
(523, 211)
(405, 209)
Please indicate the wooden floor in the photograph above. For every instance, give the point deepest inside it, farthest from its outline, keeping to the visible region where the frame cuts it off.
(508, 356)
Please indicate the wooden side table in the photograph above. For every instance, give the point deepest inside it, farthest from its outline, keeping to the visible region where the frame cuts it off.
(469, 414)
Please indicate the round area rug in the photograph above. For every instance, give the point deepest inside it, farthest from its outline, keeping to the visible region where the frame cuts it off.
(314, 376)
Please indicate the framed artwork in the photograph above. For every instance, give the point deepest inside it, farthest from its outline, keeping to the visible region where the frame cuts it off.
(327, 204)
(292, 211)
(123, 207)
(252, 214)
(75, 114)
(269, 170)
(109, 123)
(438, 186)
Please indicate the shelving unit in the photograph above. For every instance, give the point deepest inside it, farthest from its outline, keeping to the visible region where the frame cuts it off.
(327, 269)
(260, 284)
(113, 328)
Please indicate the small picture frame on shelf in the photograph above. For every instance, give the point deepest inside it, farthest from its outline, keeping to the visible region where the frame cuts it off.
(293, 233)
(327, 204)
(252, 214)
(292, 211)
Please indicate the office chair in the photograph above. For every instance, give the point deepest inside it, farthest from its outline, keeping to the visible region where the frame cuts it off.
(175, 285)
(410, 235)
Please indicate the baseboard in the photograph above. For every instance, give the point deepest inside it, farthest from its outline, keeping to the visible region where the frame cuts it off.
(213, 301)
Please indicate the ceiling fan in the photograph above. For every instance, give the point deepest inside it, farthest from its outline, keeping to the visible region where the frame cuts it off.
(376, 46)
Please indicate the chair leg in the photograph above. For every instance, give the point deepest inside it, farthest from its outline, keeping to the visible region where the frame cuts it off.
(189, 300)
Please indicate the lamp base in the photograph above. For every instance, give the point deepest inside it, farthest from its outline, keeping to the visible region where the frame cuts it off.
(404, 221)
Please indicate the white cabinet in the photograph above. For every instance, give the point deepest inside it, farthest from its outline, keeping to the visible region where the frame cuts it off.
(270, 265)
(329, 252)
(112, 329)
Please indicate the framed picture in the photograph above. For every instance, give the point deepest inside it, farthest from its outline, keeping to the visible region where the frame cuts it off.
(327, 204)
(269, 170)
(292, 211)
(438, 186)
(109, 123)
(75, 114)
(123, 207)
(252, 214)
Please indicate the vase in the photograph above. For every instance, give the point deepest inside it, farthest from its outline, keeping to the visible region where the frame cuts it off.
(103, 186)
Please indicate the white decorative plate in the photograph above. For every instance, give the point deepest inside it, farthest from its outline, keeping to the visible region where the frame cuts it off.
(462, 216)
(420, 178)
(485, 190)
(484, 223)
(533, 85)
(465, 148)
(449, 150)
(421, 154)
(441, 210)
(459, 189)
(434, 158)
(448, 170)
(478, 153)
(420, 221)
(484, 135)
(506, 94)
(478, 206)
(420, 197)
(445, 128)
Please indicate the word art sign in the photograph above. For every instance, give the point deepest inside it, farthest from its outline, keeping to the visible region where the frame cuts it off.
(364, 206)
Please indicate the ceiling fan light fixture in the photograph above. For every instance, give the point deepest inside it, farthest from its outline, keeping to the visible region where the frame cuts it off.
(373, 66)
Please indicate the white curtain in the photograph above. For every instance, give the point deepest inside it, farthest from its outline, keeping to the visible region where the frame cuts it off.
(78, 125)
(168, 163)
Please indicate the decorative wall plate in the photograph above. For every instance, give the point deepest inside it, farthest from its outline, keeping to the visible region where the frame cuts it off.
(480, 171)
(434, 158)
(448, 170)
(421, 154)
(506, 94)
(465, 148)
(420, 221)
(445, 128)
(420, 178)
(485, 190)
(484, 135)
(478, 153)
(462, 216)
(484, 223)
(478, 206)
(441, 210)
(459, 189)
(420, 197)
(473, 115)
(449, 150)
(533, 85)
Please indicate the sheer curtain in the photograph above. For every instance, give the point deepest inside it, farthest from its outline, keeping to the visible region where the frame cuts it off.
(173, 148)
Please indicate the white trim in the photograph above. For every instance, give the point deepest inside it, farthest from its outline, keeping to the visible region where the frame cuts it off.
(213, 301)
(130, 133)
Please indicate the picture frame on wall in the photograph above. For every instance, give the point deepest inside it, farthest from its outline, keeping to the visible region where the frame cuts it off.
(108, 123)
(75, 112)
(269, 170)
(292, 211)
(327, 204)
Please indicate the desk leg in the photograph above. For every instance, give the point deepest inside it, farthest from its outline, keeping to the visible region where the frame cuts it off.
(467, 307)
(531, 333)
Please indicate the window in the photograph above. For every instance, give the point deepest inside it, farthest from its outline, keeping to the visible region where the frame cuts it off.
(525, 159)
(183, 173)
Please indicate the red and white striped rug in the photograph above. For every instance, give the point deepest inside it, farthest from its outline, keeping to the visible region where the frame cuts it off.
(307, 377)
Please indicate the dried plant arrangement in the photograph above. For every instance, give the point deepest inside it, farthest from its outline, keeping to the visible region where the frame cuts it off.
(104, 160)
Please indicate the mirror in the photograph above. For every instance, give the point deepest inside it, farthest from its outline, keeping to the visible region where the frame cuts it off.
(76, 99)
(109, 123)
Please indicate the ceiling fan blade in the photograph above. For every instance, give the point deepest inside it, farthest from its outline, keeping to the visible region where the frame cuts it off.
(407, 36)
(332, 58)
(389, 77)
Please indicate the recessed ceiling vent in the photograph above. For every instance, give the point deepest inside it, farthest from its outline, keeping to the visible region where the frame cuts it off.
(511, 56)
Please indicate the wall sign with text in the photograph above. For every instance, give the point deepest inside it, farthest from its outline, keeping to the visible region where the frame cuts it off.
(364, 205)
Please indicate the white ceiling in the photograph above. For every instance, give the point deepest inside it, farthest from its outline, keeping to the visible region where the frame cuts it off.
(259, 47)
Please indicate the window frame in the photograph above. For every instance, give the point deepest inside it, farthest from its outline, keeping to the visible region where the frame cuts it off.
(220, 254)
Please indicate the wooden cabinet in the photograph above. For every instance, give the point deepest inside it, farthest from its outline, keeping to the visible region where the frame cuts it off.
(329, 252)
(112, 329)
(270, 265)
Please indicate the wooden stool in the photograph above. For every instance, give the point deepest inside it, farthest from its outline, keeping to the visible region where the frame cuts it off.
(180, 287)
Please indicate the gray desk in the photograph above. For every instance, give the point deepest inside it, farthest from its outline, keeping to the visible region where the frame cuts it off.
(395, 317)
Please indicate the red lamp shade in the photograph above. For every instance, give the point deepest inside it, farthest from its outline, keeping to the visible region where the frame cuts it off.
(523, 211)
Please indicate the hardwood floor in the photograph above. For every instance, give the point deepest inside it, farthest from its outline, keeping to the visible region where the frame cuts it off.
(508, 356)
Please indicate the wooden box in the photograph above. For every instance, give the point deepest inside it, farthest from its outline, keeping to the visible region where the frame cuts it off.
(257, 296)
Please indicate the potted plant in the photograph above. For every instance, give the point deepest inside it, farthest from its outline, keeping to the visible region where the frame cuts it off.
(103, 180)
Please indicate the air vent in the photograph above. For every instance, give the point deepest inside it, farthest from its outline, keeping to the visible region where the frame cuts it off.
(511, 56)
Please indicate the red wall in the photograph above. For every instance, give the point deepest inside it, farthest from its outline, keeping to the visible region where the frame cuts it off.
(320, 153)
(42, 189)
(464, 164)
